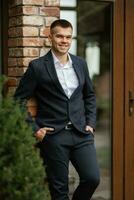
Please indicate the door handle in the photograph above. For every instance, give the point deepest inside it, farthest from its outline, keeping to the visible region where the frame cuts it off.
(131, 103)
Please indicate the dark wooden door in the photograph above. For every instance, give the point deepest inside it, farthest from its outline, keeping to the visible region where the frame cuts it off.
(118, 101)
(123, 100)
(129, 100)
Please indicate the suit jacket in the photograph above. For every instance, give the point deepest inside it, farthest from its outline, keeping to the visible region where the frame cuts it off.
(55, 109)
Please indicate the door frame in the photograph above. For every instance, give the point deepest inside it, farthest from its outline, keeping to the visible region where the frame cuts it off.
(118, 147)
(118, 99)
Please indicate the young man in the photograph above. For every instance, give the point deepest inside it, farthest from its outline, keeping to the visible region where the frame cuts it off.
(66, 114)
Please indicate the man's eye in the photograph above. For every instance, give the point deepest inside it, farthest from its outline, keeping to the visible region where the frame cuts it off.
(59, 36)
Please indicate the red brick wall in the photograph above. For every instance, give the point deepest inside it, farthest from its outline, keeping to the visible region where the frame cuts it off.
(29, 22)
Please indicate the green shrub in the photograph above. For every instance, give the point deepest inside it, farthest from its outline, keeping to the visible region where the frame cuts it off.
(21, 170)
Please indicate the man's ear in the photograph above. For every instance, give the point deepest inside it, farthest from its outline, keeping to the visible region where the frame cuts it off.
(50, 38)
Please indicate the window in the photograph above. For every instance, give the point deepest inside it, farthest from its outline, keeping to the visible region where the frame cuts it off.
(94, 44)
(68, 12)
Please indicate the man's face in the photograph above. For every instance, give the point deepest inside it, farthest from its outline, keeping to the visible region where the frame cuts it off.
(61, 39)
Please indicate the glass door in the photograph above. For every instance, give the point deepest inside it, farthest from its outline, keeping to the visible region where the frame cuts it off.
(95, 45)
(92, 20)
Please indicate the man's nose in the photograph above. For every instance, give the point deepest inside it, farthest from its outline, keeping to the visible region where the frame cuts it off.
(64, 39)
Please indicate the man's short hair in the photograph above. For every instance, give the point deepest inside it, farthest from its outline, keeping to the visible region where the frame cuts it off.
(62, 23)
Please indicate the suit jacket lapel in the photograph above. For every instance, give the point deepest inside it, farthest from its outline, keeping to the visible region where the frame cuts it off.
(52, 71)
(78, 73)
(76, 67)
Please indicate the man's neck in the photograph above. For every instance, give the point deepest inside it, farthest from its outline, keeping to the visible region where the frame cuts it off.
(62, 58)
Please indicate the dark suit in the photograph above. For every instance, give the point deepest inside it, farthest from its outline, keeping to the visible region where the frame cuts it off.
(55, 109)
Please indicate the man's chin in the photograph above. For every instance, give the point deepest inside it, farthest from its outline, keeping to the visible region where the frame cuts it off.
(63, 51)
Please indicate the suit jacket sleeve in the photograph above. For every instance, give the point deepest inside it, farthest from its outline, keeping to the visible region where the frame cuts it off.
(89, 99)
(26, 90)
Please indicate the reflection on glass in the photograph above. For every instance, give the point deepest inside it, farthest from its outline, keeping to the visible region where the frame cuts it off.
(71, 17)
(94, 44)
(67, 3)
(73, 48)
(93, 58)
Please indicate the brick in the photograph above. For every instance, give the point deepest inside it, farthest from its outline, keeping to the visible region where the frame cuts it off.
(33, 20)
(32, 106)
(13, 3)
(15, 31)
(27, 2)
(36, 42)
(11, 90)
(20, 52)
(30, 31)
(44, 32)
(50, 11)
(12, 61)
(23, 10)
(23, 31)
(15, 21)
(12, 21)
(44, 51)
(30, 10)
(24, 61)
(16, 71)
(52, 2)
(12, 82)
(33, 2)
(32, 102)
(14, 42)
(18, 2)
(32, 110)
(20, 42)
(26, 20)
(47, 42)
(30, 52)
(15, 11)
(19, 20)
(15, 52)
(11, 42)
(49, 20)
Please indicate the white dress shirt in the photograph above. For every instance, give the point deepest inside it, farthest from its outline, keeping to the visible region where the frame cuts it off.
(66, 75)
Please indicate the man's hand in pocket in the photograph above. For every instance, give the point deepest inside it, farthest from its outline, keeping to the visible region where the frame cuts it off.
(40, 134)
(89, 128)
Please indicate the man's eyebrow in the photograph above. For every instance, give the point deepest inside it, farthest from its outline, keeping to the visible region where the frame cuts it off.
(69, 35)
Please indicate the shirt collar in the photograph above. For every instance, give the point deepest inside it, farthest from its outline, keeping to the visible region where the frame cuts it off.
(56, 60)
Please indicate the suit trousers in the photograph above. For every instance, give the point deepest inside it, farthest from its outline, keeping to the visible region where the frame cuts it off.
(70, 145)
